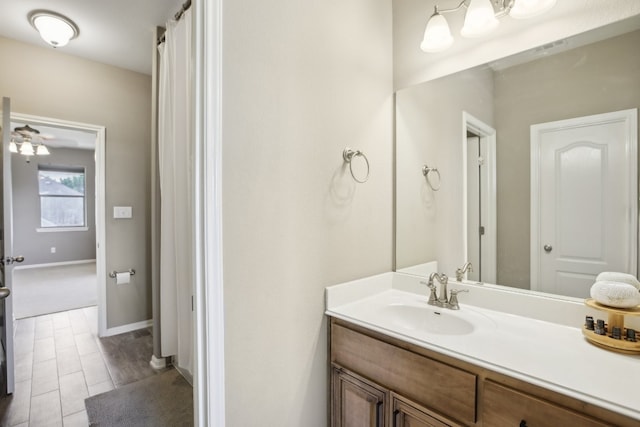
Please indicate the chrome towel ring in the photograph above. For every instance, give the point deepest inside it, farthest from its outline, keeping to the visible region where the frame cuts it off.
(348, 155)
(426, 170)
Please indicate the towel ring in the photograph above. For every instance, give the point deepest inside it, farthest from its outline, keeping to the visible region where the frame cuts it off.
(426, 170)
(348, 155)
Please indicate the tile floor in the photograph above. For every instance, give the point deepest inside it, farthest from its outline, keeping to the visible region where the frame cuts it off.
(60, 361)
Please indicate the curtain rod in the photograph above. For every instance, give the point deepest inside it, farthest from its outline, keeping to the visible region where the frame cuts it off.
(182, 10)
(185, 6)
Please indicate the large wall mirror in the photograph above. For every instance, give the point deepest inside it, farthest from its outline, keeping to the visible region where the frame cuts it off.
(536, 158)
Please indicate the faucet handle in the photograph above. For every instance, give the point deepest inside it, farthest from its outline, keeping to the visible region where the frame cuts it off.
(433, 297)
(453, 301)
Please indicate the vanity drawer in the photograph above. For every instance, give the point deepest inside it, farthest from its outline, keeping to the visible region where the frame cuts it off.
(442, 388)
(502, 406)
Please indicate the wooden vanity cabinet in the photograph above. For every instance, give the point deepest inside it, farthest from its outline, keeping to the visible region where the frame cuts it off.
(445, 390)
(362, 403)
(379, 381)
(356, 402)
(408, 414)
(505, 407)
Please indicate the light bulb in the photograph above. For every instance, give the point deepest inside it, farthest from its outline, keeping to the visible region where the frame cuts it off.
(437, 35)
(42, 150)
(26, 148)
(479, 19)
(13, 147)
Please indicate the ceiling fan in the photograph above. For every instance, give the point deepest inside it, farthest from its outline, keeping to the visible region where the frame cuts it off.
(28, 141)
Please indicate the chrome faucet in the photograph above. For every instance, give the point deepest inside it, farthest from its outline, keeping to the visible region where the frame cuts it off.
(461, 270)
(443, 299)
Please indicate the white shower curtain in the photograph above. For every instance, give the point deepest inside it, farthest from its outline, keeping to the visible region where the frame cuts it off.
(175, 148)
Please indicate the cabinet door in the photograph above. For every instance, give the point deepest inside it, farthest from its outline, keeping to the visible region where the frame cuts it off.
(408, 414)
(505, 407)
(356, 402)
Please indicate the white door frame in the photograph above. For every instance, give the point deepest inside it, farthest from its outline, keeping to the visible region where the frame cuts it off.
(630, 117)
(100, 202)
(209, 378)
(487, 134)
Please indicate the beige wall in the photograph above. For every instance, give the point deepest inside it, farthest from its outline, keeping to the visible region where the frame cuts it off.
(46, 82)
(36, 246)
(429, 131)
(595, 79)
(302, 81)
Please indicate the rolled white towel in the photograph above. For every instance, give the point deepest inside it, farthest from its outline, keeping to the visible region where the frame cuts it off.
(613, 276)
(615, 294)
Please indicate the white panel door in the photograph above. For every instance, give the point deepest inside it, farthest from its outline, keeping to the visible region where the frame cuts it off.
(583, 201)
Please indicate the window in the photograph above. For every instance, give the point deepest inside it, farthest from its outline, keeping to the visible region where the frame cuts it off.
(62, 196)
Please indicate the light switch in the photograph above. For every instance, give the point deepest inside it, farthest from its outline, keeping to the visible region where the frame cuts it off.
(120, 212)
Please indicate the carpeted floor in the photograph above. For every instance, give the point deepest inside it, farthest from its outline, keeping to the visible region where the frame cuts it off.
(45, 290)
(165, 399)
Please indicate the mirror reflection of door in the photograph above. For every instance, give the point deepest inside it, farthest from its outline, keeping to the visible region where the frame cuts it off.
(481, 200)
(583, 214)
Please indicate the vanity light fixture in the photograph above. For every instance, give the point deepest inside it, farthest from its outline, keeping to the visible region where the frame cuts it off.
(480, 19)
(54, 28)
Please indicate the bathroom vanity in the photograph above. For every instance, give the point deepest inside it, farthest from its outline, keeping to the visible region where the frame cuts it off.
(396, 361)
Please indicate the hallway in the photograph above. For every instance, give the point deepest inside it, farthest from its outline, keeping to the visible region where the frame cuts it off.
(60, 361)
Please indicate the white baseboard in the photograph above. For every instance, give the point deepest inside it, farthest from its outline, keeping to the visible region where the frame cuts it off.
(127, 328)
(54, 264)
(185, 374)
(158, 362)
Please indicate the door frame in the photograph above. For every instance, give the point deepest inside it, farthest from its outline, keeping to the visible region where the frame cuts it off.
(100, 208)
(488, 135)
(630, 117)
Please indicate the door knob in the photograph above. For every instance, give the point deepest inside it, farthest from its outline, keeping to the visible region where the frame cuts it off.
(4, 292)
(548, 248)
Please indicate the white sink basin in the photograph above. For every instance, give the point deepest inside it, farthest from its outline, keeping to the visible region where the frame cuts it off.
(428, 319)
(410, 314)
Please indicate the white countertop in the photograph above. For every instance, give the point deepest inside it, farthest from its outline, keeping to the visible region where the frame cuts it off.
(547, 354)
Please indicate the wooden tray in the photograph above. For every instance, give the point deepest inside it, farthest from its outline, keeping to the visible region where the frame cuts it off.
(615, 319)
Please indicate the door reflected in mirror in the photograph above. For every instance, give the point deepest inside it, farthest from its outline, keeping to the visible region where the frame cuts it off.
(580, 77)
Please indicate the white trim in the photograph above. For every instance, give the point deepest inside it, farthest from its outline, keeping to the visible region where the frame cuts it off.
(61, 229)
(53, 264)
(127, 328)
(100, 158)
(631, 148)
(158, 363)
(209, 383)
(185, 374)
(488, 134)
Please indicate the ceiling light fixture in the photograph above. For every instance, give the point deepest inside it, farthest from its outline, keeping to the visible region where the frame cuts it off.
(54, 28)
(480, 19)
(28, 142)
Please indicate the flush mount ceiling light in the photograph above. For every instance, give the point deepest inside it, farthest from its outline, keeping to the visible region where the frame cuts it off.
(480, 19)
(54, 28)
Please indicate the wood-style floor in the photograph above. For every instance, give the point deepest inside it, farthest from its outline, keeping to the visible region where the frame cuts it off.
(60, 361)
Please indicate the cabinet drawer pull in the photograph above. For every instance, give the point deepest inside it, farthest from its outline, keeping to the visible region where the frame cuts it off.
(523, 423)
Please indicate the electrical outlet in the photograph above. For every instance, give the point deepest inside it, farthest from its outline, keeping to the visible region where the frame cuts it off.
(53, 249)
